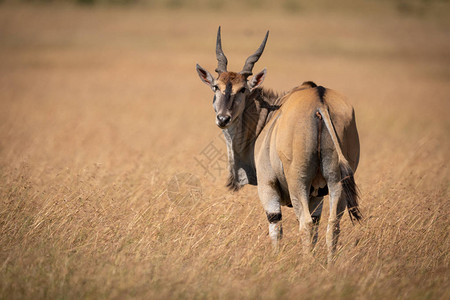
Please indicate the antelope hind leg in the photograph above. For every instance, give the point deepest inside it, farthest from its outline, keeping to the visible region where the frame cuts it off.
(337, 208)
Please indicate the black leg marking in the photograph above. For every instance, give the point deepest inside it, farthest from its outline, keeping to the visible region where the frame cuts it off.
(273, 217)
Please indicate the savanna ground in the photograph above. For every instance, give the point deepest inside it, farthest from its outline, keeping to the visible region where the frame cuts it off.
(100, 108)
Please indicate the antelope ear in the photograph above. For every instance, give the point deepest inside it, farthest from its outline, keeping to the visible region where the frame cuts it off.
(204, 75)
(257, 80)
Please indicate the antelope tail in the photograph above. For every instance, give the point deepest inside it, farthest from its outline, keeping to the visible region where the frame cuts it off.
(347, 180)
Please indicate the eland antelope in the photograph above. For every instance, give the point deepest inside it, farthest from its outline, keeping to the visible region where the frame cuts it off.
(296, 147)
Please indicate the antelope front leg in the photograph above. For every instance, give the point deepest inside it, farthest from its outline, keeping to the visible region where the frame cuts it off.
(315, 208)
(270, 199)
(275, 229)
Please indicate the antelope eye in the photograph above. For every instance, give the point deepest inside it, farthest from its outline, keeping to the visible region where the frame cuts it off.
(215, 88)
(242, 90)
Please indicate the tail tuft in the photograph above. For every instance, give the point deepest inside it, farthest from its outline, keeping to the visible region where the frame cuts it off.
(350, 192)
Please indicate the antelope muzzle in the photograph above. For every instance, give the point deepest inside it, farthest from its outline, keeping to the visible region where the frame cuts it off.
(223, 121)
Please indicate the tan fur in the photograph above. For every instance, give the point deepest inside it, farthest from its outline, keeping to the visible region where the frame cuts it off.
(237, 81)
(287, 151)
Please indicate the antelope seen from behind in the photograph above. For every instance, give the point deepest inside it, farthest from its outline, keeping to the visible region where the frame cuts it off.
(296, 147)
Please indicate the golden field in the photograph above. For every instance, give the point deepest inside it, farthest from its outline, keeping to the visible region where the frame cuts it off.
(101, 112)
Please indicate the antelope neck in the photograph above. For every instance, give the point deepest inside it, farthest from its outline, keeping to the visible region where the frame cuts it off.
(242, 134)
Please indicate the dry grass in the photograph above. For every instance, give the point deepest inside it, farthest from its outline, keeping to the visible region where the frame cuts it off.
(100, 107)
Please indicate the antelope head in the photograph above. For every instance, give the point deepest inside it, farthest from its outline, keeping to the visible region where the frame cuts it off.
(231, 88)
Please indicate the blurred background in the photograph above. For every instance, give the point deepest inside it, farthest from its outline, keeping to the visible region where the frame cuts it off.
(112, 169)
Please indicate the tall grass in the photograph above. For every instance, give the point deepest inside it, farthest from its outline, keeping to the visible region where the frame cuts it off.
(100, 109)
